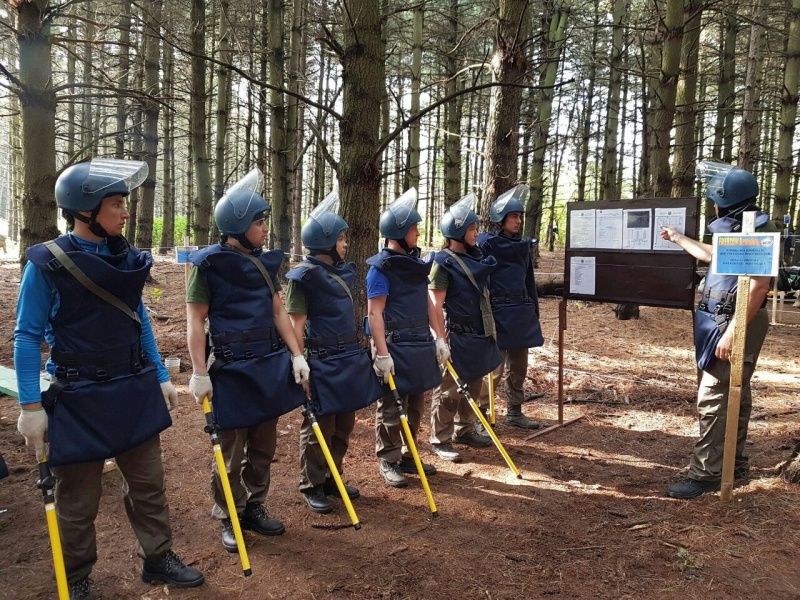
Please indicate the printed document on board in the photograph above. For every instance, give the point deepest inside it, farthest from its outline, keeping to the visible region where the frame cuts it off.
(668, 217)
(608, 233)
(582, 275)
(581, 229)
(637, 232)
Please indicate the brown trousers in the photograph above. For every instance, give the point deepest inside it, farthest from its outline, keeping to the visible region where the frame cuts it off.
(389, 444)
(515, 366)
(248, 455)
(78, 491)
(336, 430)
(451, 415)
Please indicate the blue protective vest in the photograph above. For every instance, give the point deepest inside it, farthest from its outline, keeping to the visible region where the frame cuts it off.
(718, 299)
(252, 375)
(474, 353)
(106, 399)
(405, 318)
(515, 304)
(342, 379)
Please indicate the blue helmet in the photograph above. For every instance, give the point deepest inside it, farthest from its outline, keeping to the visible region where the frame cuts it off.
(458, 218)
(510, 201)
(237, 210)
(82, 187)
(400, 216)
(323, 227)
(731, 188)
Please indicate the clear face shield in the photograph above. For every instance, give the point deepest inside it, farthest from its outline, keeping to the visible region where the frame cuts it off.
(105, 173)
(706, 170)
(401, 207)
(462, 209)
(251, 184)
(519, 193)
(326, 212)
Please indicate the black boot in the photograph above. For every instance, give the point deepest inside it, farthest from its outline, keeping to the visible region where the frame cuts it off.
(170, 569)
(79, 590)
(228, 536)
(317, 501)
(515, 418)
(255, 517)
(331, 489)
(692, 488)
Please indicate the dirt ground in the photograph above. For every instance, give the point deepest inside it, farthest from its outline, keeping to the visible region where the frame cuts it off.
(589, 518)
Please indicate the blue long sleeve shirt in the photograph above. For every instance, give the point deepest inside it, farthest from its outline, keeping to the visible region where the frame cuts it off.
(38, 302)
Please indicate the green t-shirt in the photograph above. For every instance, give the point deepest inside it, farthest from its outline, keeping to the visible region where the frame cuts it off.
(438, 279)
(197, 291)
(296, 300)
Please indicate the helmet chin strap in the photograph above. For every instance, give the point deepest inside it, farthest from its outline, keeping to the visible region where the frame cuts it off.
(94, 226)
(242, 239)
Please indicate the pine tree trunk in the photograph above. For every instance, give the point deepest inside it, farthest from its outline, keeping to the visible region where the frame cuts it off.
(38, 106)
(508, 66)
(168, 178)
(412, 174)
(124, 26)
(223, 109)
(609, 189)
(586, 127)
(281, 219)
(197, 129)
(791, 81)
(293, 139)
(453, 109)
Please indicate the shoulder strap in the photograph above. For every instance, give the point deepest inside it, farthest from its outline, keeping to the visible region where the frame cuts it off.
(90, 285)
(338, 279)
(464, 267)
(261, 268)
(485, 302)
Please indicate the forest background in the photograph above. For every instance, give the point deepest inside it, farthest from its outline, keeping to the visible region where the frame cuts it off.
(581, 100)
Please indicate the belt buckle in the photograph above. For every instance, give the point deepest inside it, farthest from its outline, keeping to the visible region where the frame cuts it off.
(72, 374)
(102, 375)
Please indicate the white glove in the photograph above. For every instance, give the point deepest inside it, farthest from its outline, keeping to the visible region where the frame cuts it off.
(32, 424)
(170, 395)
(442, 351)
(300, 369)
(382, 366)
(200, 386)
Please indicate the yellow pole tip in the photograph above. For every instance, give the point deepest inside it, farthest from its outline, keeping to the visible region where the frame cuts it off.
(519, 476)
(435, 514)
(357, 526)
(248, 572)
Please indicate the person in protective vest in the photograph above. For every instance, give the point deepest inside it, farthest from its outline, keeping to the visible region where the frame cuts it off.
(460, 287)
(515, 303)
(400, 317)
(243, 366)
(110, 395)
(733, 191)
(319, 300)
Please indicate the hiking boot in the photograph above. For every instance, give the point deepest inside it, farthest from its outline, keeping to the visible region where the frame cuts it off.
(170, 569)
(255, 518)
(479, 428)
(228, 536)
(446, 452)
(331, 489)
(80, 590)
(318, 501)
(474, 439)
(692, 488)
(407, 466)
(515, 418)
(392, 474)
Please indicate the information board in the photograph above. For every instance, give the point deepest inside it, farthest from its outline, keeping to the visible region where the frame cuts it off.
(615, 252)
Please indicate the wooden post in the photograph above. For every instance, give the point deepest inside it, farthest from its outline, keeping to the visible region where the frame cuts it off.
(737, 364)
(562, 326)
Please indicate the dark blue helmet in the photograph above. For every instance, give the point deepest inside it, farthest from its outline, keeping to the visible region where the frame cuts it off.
(510, 201)
(82, 187)
(732, 188)
(237, 210)
(324, 225)
(458, 218)
(400, 216)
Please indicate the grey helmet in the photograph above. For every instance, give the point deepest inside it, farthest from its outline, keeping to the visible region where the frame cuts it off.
(458, 218)
(321, 231)
(510, 201)
(82, 187)
(401, 214)
(241, 205)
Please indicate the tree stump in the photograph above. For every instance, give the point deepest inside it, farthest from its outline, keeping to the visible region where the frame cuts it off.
(790, 472)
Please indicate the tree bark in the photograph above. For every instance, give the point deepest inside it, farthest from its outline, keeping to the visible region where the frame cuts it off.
(197, 129)
(452, 135)
(791, 80)
(281, 219)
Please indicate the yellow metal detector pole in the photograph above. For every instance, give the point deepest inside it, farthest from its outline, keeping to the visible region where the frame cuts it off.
(211, 429)
(312, 418)
(46, 483)
(464, 391)
(491, 397)
(412, 446)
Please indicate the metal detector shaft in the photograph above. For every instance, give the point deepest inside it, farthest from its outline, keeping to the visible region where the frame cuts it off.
(491, 398)
(312, 418)
(46, 483)
(412, 446)
(211, 429)
(464, 391)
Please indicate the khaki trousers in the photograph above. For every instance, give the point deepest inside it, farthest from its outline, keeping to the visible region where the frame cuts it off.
(78, 491)
(712, 407)
(389, 444)
(336, 430)
(515, 366)
(248, 455)
(451, 415)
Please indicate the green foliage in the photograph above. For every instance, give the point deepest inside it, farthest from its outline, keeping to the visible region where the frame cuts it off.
(156, 294)
(180, 230)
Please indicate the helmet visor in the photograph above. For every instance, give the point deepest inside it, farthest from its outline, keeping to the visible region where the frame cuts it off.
(462, 209)
(253, 182)
(107, 172)
(706, 170)
(400, 208)
(327, 212)
(519, 192)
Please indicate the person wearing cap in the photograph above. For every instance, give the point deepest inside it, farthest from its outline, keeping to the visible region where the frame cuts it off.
(515, 303)
(733, 192)
(319, 300)
(110, 395)
(459, 287)
(400, 317)
(250, 366)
